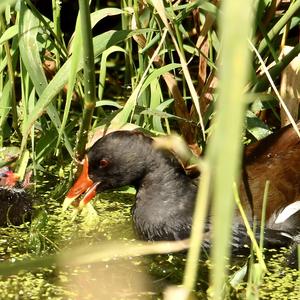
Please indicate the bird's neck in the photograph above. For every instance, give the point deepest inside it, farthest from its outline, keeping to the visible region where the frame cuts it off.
(164, 204)
(163, 172)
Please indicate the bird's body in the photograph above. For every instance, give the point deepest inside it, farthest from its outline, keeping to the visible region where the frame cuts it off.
(16, 203)
(166, 195)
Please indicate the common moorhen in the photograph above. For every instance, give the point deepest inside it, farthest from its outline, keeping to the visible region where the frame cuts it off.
(15, 201)
(166, 194)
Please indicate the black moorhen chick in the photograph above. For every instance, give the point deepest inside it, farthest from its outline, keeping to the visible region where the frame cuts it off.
(16, 202)
(165, 193)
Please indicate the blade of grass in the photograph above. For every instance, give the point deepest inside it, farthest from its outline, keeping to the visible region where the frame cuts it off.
(88, 255)
(28, 30)
(11, 78)
(57, 31)
(158, 72)
(89, 77)
(298, 253)
(9, 33)
(199, 219)
(263, 216)
(256, 247)
(5, 101)
(157, 94)
(224, 149)
(22, 164)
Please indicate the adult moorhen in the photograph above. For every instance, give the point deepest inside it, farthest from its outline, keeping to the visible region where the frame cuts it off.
(166, 194)
(16, 203)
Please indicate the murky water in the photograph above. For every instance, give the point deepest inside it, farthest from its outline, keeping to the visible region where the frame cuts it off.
(53, 231)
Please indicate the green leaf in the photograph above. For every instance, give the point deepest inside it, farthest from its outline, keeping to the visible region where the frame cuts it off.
(102, 13)
(256, 126)
(103, 64)
(108, 103)
(28, 28)
(157, 73)
(9, 33)
(5, 101)
(5, 3)
(156, 119)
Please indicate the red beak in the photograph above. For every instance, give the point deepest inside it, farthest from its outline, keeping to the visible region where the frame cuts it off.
(82, 185)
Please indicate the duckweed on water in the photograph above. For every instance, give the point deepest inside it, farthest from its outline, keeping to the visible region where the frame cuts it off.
(280, 282)
(53, 230)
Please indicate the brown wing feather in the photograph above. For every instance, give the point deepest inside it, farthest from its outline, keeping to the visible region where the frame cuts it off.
(275, 158)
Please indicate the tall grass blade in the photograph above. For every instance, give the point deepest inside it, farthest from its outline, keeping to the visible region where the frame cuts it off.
(89, 77)
(89, 255)
(224, 150)
(199, 219)
(256, 248)
(263, 215)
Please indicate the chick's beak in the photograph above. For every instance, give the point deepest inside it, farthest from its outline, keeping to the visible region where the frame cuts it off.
(11, 178)
(8, 177)
(82, 185)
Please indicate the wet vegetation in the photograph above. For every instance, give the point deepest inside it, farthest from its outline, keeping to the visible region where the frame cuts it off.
(153, 65)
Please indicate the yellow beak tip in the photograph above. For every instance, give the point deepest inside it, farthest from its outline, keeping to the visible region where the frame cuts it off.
(67, 202)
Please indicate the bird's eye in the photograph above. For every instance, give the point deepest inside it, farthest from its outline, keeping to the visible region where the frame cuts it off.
(103, 163)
